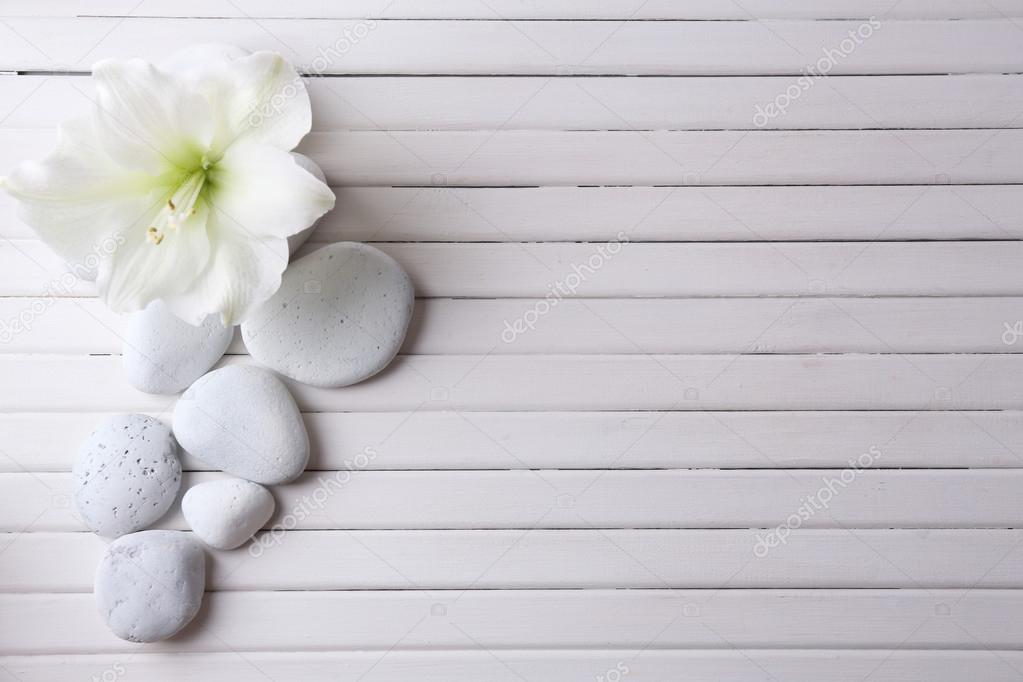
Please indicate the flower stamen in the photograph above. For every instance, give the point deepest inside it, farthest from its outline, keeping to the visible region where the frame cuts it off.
(180, 207)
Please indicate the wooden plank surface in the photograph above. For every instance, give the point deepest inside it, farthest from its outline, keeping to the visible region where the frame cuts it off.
(540, 47)
(659, 214)
(498, 620)
(589, 499)
(580, 382)
(472, 665)
(622, 269)
(810, 344)
(530, 157)
(712, 325)
(514, 9)
(35, 442)
(599, 103)
(553, 559)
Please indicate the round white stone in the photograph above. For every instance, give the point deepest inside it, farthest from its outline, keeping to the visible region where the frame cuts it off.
(164, 354)
(225, 514)
(126, 475)
(242, 419)
(339, 317)
(149, 585)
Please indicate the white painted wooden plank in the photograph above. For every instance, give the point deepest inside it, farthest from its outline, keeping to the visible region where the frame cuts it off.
(576, 382)
(499, 620)
(643, 665)
(599, 103)
(627, 326)
(539, 47)
(515, 9)
(591, 440)
(664, 213)
(712, 214)
(560, 559)
(619, 269)
(979, 498)
(665, 157)
(531, 157)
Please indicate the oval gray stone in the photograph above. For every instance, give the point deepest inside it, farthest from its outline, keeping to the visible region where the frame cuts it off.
(225, 514)
(241, 419)
(149, 585)
(126, 475)
(339, 317)
(164, 354)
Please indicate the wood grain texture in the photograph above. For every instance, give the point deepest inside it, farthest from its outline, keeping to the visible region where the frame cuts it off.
(662, 326)
(541, 47)
(588, 499)
(554, 559)
(472, 665)
(531, 157)
(471, 383)
(554, 272)
(833, 287)
(514, 9)
(599, 103)
(661, 214)
(496, 620)
(34, 442)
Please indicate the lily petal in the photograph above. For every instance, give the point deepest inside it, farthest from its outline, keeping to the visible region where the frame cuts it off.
(257, 98)
(149, 119)
(263, 191)
(77, 199)
(150, 265)
(242, 273)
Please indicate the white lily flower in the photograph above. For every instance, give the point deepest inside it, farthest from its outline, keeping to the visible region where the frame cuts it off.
(189, 169)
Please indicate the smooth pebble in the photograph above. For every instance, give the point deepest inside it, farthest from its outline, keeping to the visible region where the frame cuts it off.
(149, 585)
(241, 419)
(339, 317)
(164, 354)
(225, 514)
(126, 475)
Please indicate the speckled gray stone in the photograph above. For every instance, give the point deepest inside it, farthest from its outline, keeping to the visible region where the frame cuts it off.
(149, 585)
(339, 317)
(242, 419)
(126, 475)
(224, 514)
(164, 354)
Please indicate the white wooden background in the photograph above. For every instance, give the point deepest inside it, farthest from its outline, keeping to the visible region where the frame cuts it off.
(586, 500)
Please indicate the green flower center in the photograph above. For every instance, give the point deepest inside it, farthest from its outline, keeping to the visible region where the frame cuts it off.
(182, 204)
